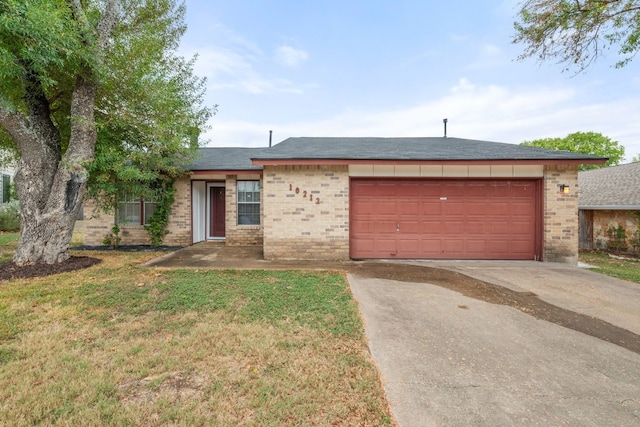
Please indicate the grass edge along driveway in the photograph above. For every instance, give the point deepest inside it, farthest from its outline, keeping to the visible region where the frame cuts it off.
(120, 345)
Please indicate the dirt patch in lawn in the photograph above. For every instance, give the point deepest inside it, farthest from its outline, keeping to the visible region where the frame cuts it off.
(9, 270)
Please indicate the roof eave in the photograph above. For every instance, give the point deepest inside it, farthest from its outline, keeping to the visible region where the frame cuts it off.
(609, 208)
(226, 171)
(325, 161)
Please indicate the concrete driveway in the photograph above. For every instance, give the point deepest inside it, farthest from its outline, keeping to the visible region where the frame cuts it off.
(540, 344)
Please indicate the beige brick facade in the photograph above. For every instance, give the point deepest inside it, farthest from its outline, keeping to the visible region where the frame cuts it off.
(99, 224)
(560, 217)
(306, 212)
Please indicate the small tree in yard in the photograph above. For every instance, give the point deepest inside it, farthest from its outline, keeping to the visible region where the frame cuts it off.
(586, 143)
(91, 92)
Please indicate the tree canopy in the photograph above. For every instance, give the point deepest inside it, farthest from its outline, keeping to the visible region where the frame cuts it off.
(91, 91)
(577, 32)
(586, 143)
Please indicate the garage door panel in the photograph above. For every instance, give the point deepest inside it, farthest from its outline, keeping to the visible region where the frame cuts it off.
(465, 219)
(408, 247)
(431, 247)
(409, 208)
(453, 227)
(431, 227)
(431, 207)
(498, 228)
(519, 228)
(452, 208)
(475, 227)
(476, 246)
(387, 247)
(384, 207)
(363, 227)
(407, 190)
(453, 247)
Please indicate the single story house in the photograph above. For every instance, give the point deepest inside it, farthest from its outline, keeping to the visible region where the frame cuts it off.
(608, 198)
(365, 198)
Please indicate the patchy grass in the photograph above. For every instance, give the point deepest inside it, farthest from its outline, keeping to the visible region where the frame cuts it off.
(8, 244)
(120, 345)
(626, 269)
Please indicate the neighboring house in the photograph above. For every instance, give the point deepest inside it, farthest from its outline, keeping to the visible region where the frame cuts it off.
(360, 198)
(608, 198)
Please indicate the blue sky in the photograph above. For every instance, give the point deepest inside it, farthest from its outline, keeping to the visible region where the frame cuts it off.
(394, 68)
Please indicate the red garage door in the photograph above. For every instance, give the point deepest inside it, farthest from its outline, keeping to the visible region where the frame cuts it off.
(446, 219)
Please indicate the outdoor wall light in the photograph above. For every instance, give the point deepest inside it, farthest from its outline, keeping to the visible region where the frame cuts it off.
(564, 188)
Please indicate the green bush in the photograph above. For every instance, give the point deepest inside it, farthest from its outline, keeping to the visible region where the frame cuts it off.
(10, 216)
(617, 238)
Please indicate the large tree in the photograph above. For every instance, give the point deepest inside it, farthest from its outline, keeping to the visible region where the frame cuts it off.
(586, 143)
(86, 77)
(576, 32)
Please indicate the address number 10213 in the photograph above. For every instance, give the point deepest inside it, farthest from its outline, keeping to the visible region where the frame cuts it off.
(305, 194)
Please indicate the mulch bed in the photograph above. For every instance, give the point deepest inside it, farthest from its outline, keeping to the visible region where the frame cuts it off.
(9, 270)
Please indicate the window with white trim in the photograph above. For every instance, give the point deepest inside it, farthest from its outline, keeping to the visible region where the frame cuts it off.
(133, 210)
(248, 202)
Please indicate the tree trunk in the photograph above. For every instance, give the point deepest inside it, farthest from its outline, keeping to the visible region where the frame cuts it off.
(50, 189)
(45, 234)
(50, 186)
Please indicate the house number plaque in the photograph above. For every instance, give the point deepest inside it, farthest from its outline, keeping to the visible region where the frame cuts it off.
(305, 194)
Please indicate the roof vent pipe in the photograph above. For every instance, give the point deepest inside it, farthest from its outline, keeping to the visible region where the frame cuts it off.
(270, 134)
(445, 126)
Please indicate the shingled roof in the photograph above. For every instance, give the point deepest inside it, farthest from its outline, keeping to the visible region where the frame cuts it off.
(612, 188)
(225, 158)
(416, 149)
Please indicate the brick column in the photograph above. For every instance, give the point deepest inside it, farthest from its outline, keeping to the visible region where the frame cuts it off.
(306, 212)
(560, 215)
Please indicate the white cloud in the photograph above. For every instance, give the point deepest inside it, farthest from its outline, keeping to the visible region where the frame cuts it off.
(463, 85)
(226, 68)
(291, 57)
(492, 112)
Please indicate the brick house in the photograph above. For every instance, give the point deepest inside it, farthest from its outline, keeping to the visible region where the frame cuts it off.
(608, 198)
(342, 198)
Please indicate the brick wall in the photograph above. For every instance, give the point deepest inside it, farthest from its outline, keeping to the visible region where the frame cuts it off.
(306, 212)
(180, 218)
(98, 224)
(560, 219)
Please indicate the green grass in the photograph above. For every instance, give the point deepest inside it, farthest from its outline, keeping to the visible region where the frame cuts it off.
(626, 269)
(8, 244)
(116, 344)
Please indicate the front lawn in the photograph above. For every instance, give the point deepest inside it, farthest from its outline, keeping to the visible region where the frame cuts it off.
(626, 269)
(116, 344)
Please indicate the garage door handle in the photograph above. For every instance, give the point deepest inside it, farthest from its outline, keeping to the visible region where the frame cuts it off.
(397, 227)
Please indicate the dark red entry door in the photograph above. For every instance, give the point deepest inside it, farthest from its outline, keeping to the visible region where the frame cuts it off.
(216, 212)
(446, 219)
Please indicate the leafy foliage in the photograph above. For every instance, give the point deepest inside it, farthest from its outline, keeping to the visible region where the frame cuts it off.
(151, 112)
(10, 216)
(577, 32)
(159, 221)
(586, 143)
(114, 64)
